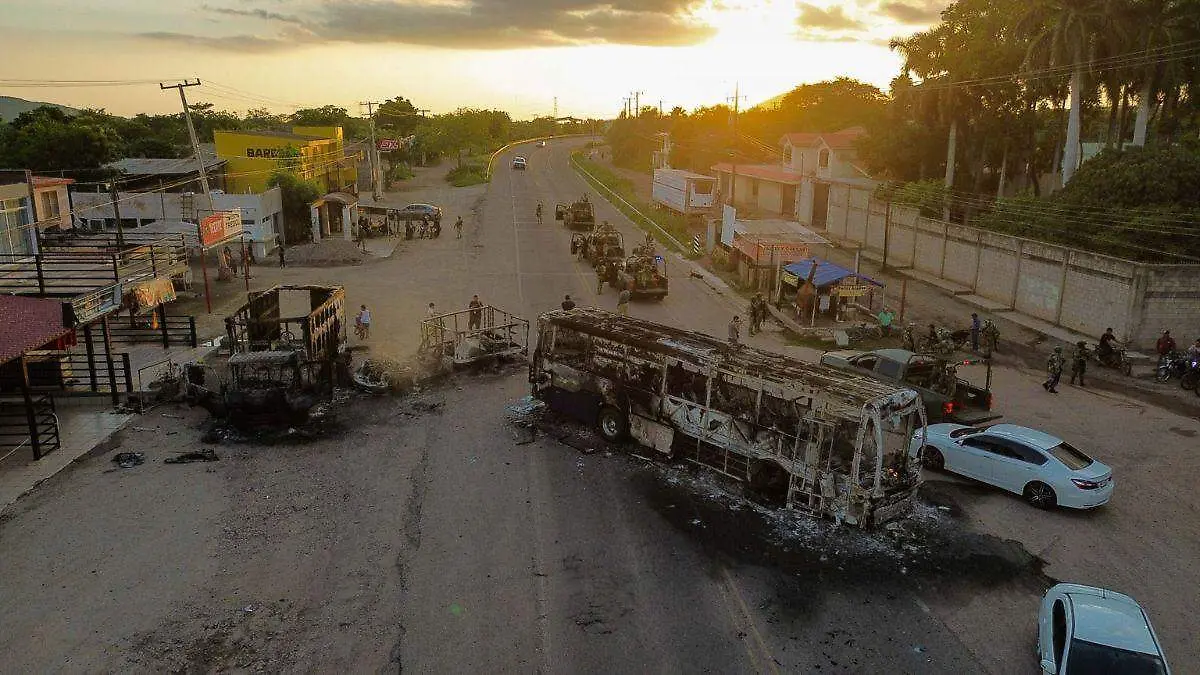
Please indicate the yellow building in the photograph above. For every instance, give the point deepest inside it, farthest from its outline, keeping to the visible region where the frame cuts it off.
(319, 155)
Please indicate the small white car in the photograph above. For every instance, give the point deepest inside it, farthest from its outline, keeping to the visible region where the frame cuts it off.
(1046, 470)
(541, 144)
(519, 163)
(1093, 631)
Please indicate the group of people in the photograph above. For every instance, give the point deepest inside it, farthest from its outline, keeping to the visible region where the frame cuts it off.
(428, 227)
(229, 262)
(758, 313)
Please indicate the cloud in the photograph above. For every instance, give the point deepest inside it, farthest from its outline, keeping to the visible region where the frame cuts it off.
(813, 17)
(256, 13)
(477, 24)
(236, 43)
(913, 12)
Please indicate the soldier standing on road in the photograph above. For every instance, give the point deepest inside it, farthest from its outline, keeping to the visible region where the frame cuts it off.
(568, 304)
(1079, 361)
(1054, 369)
(975, 327)
(623, 302)
(735, 329)
(600, 270)
(476, 308)
(458, 225)
(282, 260)
(910, 337)
(991, 337)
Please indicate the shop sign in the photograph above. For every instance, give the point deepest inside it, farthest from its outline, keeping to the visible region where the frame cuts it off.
(852, 288)
(219, 227)
(388, 144)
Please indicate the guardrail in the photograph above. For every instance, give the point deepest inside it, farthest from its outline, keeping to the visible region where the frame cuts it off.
(506, 146)
(596, 182)
(178, 330)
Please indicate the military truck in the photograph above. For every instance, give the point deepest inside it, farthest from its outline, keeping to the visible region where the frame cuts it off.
(645, 272)
(576, 216)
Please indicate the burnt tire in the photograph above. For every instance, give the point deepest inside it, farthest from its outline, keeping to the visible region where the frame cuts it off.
(1040, 496)
(932, 459)
(613, 424)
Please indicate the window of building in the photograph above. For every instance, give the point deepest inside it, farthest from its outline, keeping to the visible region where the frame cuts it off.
(50, 205)
(13, 239)
(823, 159)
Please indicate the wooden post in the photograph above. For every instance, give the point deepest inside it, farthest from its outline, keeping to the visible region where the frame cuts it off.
(1062, 286)
(903, 295)
(204, 273)
(162, 324)
(108, 359)
(30, 415)
(91, 355)
(1017, 276)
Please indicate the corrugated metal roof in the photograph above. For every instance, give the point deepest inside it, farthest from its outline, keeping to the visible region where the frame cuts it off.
(29, 323)
(137, 166)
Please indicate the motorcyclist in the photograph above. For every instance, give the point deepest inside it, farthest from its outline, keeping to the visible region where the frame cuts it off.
(1105, 349)
(1165, 344)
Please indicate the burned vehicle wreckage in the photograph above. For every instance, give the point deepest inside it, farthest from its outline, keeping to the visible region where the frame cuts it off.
(281, 366)
(817, 440)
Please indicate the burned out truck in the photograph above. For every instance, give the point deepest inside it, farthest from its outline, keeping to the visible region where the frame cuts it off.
(813, 439)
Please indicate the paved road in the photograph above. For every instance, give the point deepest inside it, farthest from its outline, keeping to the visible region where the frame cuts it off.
(430, 536)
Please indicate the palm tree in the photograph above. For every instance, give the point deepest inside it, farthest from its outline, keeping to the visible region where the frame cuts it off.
(1067, 32)
(1160, 24)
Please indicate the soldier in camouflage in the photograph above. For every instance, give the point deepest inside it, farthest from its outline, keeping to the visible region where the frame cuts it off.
(1054, 369)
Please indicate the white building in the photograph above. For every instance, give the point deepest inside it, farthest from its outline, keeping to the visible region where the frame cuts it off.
(262, 213)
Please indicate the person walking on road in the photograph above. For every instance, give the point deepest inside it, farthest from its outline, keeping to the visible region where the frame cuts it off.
(1079, 361)
(623, 302)
(735, 330)
(282, 258)
(362, 323)
(1054, 370)
(601, 269)
(568, 304)
(756, 313)
(476, 318)
(458, 226)
(991, 337)
(975, 327)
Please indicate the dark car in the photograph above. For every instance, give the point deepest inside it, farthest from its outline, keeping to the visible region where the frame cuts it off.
(419, 211)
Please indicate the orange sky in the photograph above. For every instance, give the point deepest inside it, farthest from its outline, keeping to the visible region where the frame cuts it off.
(515, 55)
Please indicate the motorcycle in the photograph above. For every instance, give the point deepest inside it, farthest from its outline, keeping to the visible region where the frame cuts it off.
(1172, 364)
(1191, 373)
(1114, 358)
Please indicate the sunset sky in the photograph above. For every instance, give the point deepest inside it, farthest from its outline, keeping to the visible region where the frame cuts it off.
(516, 55)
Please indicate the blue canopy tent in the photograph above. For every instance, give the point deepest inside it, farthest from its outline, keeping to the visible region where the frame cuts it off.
(825, 278)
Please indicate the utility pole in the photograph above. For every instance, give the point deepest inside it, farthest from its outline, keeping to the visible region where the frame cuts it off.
(626, 99)
(660, 107)
(737, 99)
(112, 187)
(187, 114)
(637, 103)
(376, 193)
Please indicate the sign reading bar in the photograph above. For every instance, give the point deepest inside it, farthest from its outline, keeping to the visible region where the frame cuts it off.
(388, 144)
(219, 227)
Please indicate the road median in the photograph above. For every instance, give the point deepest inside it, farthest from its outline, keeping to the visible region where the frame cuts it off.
(668, 229)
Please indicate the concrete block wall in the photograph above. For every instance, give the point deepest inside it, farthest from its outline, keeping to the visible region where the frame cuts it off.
(1171, 300)
(930, 241)
(837, 220)
(962, 255)
(877, 222)
(900, 247)
(998, 267)
(1040, 283)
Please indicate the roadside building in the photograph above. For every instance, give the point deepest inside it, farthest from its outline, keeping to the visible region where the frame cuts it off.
(172, 175)
(17, 234)
(798, 186)
(52, 202)
(314, 153)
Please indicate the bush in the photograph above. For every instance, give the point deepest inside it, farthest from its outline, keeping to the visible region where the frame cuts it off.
(467, 174)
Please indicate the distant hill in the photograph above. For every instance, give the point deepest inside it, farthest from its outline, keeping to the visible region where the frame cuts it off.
(10, 107)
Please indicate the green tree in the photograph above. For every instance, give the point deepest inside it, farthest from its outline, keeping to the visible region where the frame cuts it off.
(298, 195)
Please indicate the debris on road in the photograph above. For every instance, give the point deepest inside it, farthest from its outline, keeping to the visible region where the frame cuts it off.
(189, 457)
(127, 460)
(325, 253)
(469, 336)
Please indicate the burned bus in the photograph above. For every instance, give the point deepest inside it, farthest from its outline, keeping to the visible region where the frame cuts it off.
(811, 438)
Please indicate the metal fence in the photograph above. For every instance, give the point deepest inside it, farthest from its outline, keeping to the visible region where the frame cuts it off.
(15, 425)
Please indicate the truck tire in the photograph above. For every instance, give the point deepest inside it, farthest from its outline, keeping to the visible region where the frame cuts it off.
(613, 424)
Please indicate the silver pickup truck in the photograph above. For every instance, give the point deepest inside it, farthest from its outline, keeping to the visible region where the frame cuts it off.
(947, 397)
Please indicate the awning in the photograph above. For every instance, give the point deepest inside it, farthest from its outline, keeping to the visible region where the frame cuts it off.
(827, 273)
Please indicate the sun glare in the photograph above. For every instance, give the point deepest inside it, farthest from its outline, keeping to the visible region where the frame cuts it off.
(749, 22)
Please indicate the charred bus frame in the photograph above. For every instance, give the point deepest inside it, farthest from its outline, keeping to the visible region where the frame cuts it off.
(828, 443)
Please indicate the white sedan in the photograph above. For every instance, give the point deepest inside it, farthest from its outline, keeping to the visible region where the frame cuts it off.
(1082, 629)
(1046, 470)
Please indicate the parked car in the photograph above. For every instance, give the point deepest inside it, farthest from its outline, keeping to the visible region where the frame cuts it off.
(419, 211)
(519, 163)
(1046, 470)
(1093, 631)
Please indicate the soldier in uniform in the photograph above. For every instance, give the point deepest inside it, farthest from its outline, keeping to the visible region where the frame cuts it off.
(1054, 369)
(991, 337)
(1079, 361)
(601, 272)
(910, 337)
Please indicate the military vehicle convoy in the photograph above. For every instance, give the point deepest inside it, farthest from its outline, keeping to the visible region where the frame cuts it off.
(576, 216)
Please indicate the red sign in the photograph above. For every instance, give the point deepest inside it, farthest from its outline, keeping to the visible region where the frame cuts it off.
(388, 144)
(219, 227)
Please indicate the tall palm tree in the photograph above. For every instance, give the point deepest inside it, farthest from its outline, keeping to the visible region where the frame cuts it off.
(1066, 33)
(1159, 24)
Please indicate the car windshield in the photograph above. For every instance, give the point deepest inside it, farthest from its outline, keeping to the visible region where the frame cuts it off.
(1072, 458)
(1089, 658)
(965, 431)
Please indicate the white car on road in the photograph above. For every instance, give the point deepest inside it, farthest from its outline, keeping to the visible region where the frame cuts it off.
(1046, 470)
(519, 163)
(1092, 631)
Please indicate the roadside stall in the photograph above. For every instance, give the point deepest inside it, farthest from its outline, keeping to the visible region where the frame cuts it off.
(819, 290)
